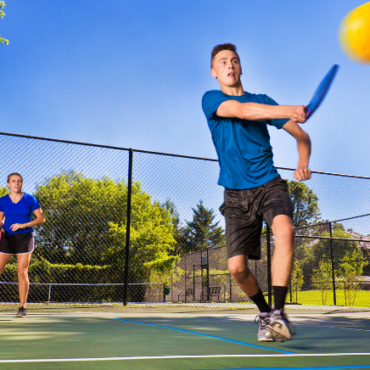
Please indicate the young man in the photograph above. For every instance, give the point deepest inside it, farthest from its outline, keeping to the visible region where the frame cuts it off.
(253, 188)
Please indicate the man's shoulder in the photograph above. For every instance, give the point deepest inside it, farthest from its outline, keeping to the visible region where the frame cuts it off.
(260, 98)
(212, 94)
(211, 101)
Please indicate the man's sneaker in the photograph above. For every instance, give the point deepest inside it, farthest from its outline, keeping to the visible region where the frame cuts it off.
(22, 312)
(279, 326)
(263, 334)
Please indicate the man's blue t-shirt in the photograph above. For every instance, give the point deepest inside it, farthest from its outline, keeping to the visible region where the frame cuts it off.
(18, 213)
(243, 147)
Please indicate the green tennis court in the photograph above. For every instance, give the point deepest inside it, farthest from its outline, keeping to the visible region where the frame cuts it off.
(180, 340)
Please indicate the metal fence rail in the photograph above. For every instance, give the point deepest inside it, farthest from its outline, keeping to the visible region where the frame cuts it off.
(127, 225)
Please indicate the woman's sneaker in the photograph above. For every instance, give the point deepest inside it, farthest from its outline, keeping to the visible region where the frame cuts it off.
(279, 326)
(22, 312)
(263, 334)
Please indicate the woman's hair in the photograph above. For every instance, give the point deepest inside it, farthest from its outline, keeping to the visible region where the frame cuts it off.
(14, 174)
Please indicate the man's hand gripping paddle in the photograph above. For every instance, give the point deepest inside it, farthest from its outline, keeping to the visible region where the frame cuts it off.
(321, 91)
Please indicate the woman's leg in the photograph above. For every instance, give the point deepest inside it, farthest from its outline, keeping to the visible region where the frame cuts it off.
(24, 284)
(4, 259)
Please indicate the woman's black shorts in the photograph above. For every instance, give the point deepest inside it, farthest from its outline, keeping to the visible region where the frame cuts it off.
(244, 211)
(17, 244)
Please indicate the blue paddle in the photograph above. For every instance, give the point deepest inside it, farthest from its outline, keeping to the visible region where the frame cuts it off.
(321, 91)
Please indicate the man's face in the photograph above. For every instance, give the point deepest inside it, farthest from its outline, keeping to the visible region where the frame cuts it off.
(226, 68)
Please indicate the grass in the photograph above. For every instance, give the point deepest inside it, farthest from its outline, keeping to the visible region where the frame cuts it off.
(360, 298)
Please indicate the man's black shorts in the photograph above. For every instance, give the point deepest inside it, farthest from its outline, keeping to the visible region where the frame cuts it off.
(17, 244)
(244, 211)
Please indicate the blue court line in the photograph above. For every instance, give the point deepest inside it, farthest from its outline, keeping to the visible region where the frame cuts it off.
(204, 335)
(303, 368)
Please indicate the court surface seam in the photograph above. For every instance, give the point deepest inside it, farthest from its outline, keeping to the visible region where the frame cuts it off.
(204, 335)
(183, 357)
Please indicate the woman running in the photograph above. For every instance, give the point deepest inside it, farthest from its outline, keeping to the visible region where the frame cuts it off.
(16, 230)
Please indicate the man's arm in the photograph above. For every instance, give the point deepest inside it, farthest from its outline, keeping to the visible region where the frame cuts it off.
(260, 112)
(304, 149)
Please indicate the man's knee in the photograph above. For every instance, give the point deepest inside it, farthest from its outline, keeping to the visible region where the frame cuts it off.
(284, 231)
(238, 269)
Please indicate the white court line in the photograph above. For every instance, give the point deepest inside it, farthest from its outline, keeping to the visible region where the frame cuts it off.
(178, 357)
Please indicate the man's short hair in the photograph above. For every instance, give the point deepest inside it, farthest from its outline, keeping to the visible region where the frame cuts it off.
(222, 47)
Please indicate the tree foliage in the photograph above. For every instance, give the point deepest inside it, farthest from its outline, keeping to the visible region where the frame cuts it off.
(3, 191)
(86, 223)
(202, 232)
(2, 15)
(305, 204)
(322, 279)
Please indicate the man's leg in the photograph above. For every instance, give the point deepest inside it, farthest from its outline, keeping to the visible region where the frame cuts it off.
(238, 267)
(282, 228)
(282, 262)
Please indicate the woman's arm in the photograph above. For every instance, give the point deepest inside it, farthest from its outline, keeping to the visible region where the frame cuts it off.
(40, 219)
(2, 218)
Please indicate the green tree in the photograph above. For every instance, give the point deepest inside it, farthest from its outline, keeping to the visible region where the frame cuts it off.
(3, 191)
(296, 280)
(324, 248)
(78, 211)
(321, 279)
(202, 232)
(151, 238)
(351, 266)
(86, 223)
(347, 256)
(305, 204)
(2, 15)
(170, 206)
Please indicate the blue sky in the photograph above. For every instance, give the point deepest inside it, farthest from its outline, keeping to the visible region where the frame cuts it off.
(132, 73)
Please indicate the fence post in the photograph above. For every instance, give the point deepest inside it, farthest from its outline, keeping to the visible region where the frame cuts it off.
(231, 288)
(128, 226)
(208, 296)
(194, 284)
(332, 263)
(268, 242)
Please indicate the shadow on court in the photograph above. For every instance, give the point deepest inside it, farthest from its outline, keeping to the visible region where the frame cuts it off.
(179, 341)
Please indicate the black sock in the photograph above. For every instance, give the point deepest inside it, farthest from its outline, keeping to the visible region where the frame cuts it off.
(260, 302)
(279, 296)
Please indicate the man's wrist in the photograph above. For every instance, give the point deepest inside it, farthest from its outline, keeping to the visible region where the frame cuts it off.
(305, 165)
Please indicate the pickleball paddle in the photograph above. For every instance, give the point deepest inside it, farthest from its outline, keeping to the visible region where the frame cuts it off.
(321, 91)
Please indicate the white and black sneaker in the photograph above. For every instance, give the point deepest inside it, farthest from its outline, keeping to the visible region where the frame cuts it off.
(263, 334)
(22, 312)
(279, 326)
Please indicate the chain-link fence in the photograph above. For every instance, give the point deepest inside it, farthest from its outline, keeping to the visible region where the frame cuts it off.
(133, 226)
(331, 268)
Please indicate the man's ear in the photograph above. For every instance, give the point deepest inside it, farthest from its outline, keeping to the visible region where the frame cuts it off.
(213, 74)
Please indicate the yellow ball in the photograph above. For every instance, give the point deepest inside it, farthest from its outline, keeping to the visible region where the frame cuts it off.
(354, 34)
